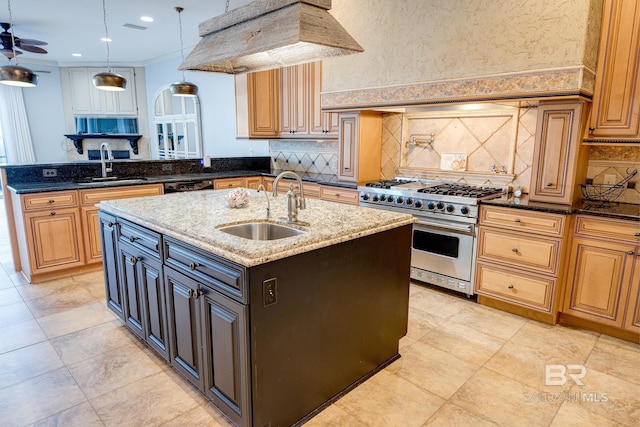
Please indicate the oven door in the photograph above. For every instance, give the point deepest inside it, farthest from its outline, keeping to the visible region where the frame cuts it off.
(443, 248)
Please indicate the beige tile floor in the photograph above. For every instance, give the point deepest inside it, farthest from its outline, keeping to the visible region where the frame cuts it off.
(66, 361)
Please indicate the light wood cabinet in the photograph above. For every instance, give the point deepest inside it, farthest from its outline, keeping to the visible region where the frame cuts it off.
(246, 182)
(300, 103)
(257, 104)
(311, 190)
(316, 191)
(87, 100)
(616, 98)
(359, 146)
(603, 274)
(559, 158)
(520, 261)
(340, 195)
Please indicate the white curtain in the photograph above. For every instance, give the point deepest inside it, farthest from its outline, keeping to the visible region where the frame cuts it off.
(15, 126)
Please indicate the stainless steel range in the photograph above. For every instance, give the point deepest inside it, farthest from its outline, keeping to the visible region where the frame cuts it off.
(444, 238)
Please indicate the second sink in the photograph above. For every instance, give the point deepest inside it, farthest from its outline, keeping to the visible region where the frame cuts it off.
(261, 230)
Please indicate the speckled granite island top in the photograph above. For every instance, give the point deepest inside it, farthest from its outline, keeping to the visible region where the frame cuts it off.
(192, 217)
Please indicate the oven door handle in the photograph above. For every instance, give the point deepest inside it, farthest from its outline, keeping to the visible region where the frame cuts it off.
(467, 229)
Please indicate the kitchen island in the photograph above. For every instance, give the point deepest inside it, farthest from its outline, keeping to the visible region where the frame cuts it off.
(270, 331)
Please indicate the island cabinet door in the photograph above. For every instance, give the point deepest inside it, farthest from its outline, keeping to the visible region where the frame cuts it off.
(226, 364)
(113, 289)
(183, 315)
(127, 260)
(155, 314)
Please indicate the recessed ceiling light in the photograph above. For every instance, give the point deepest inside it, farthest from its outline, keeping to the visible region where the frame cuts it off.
(76, 54)
(146, 19)
(106, 39)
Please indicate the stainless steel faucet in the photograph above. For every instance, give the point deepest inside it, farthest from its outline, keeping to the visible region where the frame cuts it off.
(103, 160)
(261, 187)
(293, 201)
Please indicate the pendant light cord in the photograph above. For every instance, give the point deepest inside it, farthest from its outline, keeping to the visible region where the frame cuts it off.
(13, 40)
(179, 9)
(106, 33)
(226, 7)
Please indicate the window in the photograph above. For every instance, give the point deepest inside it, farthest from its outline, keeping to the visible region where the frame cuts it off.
(177, 125)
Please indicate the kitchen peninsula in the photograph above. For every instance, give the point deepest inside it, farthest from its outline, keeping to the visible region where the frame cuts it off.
(269, 330)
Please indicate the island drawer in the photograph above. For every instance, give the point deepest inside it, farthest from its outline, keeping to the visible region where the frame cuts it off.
(49, 200)
(522, 220)
(513, 286)
(139, 237)
(220, 274)
(527, 252)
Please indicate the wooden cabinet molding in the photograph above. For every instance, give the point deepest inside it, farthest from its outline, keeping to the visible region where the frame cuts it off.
(616, 98)
(257, 104)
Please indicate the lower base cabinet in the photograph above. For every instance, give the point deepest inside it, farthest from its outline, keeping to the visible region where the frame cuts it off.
(269, 344)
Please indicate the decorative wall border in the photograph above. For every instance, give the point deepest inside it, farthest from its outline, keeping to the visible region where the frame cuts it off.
(567, 81)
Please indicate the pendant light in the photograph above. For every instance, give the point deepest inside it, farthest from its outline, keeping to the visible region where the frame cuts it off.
(182, 88)
(15, 75)
(109, 81)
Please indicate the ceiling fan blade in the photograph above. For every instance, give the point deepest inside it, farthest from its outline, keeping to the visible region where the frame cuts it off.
(32, 49)
(9, 53)
(32, 42)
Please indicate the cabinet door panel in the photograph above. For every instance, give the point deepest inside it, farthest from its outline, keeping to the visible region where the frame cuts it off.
(632, 317)
(348, 147)
(133, 293)
(226, 354)
(113, 290)
(183, 314)
(597, 275)
(262, 88)
(56, 237)
(155, 313)
(91, 228)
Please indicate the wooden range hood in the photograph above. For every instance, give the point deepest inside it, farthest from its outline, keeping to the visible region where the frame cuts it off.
(268, 34)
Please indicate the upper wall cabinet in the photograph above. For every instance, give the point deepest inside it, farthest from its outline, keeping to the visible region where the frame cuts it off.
(616, 101)
(87, 100)
(257, 104)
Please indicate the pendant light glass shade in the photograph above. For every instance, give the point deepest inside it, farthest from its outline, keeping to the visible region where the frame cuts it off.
(14, 75)
(182, 88)
(110, 81)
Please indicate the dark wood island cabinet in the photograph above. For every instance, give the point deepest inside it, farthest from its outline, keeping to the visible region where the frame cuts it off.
(273, 342)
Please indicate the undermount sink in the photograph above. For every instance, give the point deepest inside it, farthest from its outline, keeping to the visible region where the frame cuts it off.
(261, 230)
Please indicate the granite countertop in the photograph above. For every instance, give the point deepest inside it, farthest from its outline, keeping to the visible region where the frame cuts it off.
(192, 217)
(603, 209)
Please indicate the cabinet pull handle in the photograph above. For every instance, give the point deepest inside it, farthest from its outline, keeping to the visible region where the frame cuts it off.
(510, 286)
(514, 250)
(197, 294)
(52, 213)
(337, 194)
(134, 259)
(516, 220)
(549, 184)
(630, 252)
(194, 265)
(133, 238)
(52, 201)
(637, 234)
(110, 224)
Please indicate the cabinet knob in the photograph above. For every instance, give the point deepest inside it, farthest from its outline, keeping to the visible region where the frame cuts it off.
(630, 252)
(197, 294)
(134, 259)
(189, 293)
(133, 238)
(52, 201)
(549, 184)
(110, 224)
(516, 220)
(52, 213)
(514, 250)
(637, 234)
(592, 129)
(194, 265)
(337, 194)
(510, 286)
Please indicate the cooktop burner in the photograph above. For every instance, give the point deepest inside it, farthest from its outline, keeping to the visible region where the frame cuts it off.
(386, 183)
(463, 190)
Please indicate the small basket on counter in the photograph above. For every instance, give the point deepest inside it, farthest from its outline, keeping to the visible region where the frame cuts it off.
(606, 192)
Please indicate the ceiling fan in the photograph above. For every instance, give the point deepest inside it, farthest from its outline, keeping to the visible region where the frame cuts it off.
(30, 45)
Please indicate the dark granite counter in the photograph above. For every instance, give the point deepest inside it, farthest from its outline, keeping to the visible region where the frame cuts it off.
(604, 209)
(319, 178)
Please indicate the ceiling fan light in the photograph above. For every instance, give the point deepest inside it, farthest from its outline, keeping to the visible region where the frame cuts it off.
(15, 75)
(183, 89)
(110, 81)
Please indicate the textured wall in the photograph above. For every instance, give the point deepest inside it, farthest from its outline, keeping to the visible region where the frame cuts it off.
(409, 41)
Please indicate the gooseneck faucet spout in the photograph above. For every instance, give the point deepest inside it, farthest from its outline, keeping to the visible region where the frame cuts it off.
(261, 187)
(293, 201)
(103, 159)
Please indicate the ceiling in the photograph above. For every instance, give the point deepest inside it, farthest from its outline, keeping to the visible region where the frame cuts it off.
(76, 26)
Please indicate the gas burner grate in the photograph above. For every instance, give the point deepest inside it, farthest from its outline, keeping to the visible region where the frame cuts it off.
(461, 190)
(386, 183)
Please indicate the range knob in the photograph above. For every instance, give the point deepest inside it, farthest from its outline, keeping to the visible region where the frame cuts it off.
(464, 210)
(440, 206)
(375, 198)
(431, 206)
(383, 198)
(418, 204)
(399, 200)
(365, 197)
(409, 201)
(450, 208)
(390, 199)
